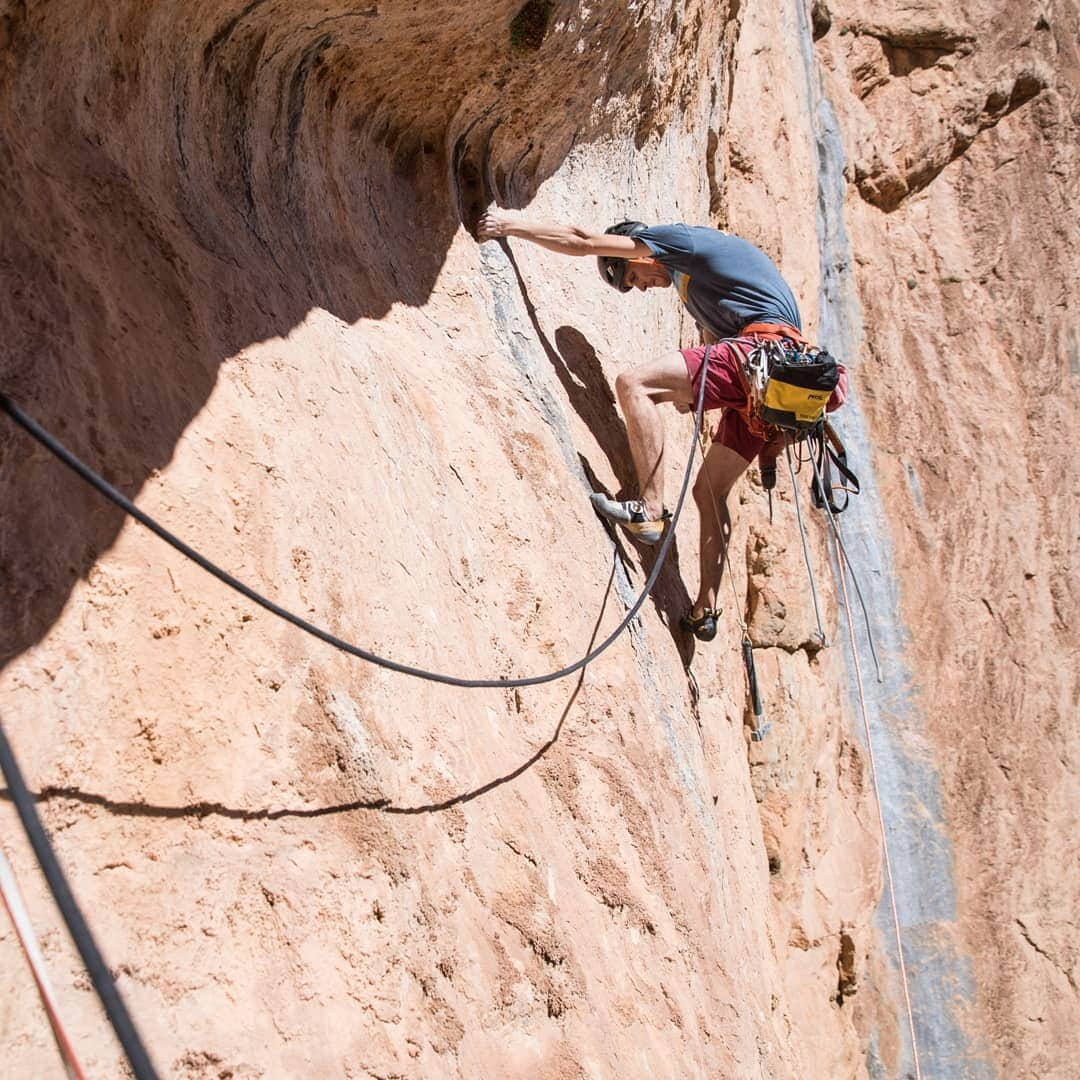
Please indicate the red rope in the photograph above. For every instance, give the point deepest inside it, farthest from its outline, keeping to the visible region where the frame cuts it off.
(20, 919)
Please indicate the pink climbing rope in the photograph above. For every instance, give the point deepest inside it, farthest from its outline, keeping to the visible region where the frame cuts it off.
(20, 919)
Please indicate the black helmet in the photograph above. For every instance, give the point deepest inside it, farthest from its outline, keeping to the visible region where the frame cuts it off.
(612, 269)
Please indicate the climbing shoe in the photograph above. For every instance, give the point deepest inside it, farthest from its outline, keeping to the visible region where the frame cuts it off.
(631, 516)
(702, 626)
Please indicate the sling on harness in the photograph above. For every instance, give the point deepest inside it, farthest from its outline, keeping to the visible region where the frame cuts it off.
(827, 450)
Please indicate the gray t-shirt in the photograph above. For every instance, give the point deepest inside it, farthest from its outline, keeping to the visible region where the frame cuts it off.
(726, 283)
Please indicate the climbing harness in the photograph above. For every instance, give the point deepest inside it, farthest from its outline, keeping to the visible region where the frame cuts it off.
(788, 384)
(24, 931)
(125, 504)
(789, 381)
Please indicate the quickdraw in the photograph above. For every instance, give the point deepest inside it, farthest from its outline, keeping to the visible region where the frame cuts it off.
(828, 451)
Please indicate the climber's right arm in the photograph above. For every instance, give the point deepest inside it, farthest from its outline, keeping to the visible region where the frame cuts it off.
(562, 239)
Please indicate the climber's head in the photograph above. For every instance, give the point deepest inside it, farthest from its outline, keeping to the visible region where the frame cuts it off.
(642, 272)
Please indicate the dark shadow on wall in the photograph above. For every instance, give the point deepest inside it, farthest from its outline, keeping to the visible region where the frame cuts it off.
(204, 809)
(198, 182)
(578, 369)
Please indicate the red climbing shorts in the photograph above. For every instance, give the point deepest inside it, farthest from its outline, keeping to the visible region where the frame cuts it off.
(732, 432)
(724, 390)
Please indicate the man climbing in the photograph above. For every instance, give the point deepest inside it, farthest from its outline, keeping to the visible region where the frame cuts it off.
(737, 297)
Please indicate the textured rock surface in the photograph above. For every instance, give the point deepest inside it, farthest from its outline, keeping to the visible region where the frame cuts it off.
(963, 118)
(236, 281)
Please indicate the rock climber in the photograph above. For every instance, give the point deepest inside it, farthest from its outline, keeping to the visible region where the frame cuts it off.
(737, 297)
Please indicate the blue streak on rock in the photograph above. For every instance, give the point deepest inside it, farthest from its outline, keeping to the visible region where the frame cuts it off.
(939, 973)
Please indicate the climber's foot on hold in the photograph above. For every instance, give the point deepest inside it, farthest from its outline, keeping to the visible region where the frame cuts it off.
(632, 516)
(702, 626)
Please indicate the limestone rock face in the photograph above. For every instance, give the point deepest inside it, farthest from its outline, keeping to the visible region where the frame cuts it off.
(960, 123)
(240, 281)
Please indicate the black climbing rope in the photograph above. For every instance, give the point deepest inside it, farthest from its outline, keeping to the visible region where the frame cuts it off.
(76, 924)
(125, 504)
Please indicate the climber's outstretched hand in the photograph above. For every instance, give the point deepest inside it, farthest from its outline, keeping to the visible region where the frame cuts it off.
(493, 223)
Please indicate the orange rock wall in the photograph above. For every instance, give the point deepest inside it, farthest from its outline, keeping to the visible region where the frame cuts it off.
(236, 282)
(960, 126)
